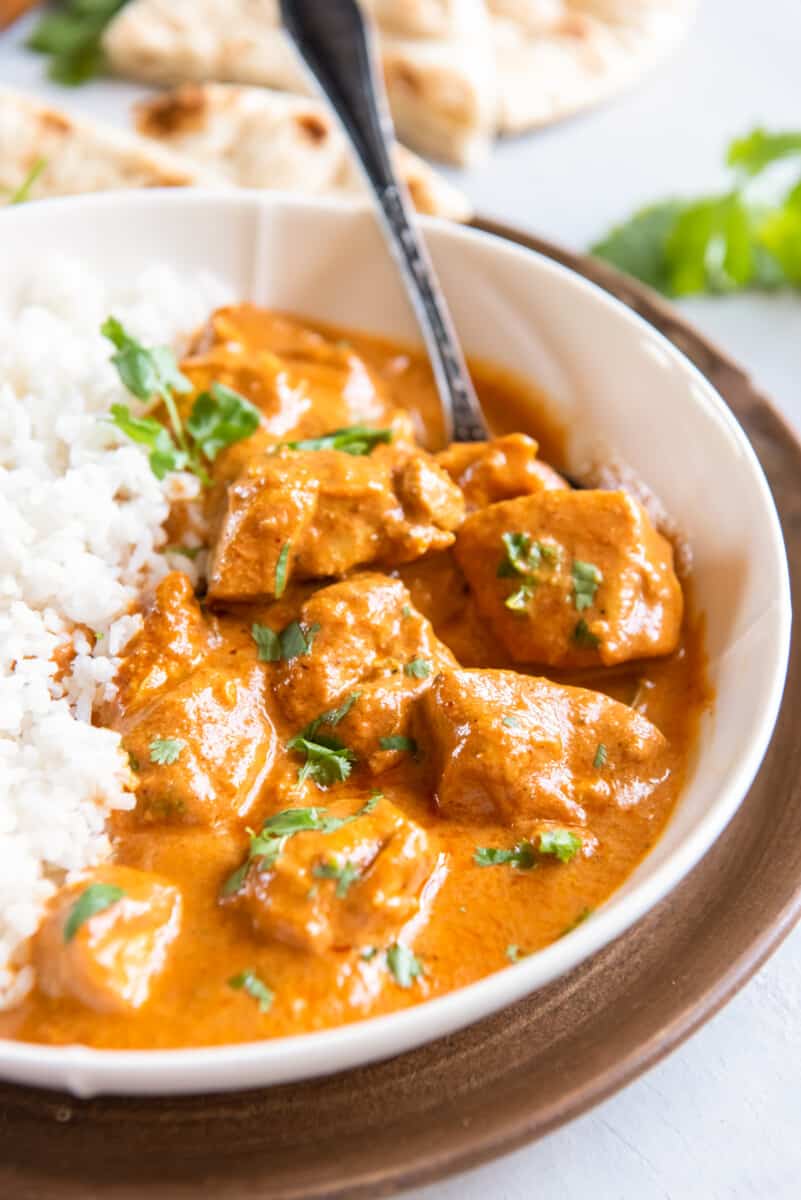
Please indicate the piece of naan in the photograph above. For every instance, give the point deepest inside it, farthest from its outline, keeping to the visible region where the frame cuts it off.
(457, 72)
(257, 138)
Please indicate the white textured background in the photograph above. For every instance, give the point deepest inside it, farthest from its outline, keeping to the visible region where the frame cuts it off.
(721, 1118)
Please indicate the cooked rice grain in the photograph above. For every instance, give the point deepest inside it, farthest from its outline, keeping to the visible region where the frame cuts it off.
(81, 518)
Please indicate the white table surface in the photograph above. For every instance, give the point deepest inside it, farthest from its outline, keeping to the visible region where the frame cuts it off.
(721, 1118)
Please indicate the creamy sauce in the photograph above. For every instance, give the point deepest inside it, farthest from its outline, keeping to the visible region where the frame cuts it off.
(470, 915)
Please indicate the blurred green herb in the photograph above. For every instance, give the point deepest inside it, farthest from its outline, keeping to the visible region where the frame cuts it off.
(725, 242)
(71, 36)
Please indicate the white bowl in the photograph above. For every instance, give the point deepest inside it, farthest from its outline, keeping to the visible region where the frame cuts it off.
(616, 382)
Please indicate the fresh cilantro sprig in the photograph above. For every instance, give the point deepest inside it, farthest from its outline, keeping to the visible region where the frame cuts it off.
(404, 966)
(219, 417)
(71, 36)
(725, 242)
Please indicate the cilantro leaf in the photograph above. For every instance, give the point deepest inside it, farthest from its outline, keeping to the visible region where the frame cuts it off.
(164, 454)
(583, 636)
(723, 242)
(93, 900)
(353, 439)
(249, 981)
(637, 246)
(281, 567)
(166, 751)
(398, 742)
(327, 760)
(586, 580)
(292, 642)
(563, 844)
(145, 372)
(72, 38)
(331, 716)
(219, 418)
(404, 965)
(268, 843)
(521, 856)
(760, 149)
(418, 668)
(345, 875)
(584, 915)
(600, 757)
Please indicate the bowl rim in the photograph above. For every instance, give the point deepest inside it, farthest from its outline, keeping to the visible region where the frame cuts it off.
(86, 1071)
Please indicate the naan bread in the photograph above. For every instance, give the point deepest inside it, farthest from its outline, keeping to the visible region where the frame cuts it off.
(80, 155)
(591, 50)
(457, 71)
(257, 138)
(211, 136)
(437, 60)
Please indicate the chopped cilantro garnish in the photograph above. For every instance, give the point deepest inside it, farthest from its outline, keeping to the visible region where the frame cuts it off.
(398, 742)
(522, 559)
(521, 856)
(268, 843)
(404, 965)
(418, 668)
(281, 570)
(600, 757)
(327, 760)
(354, 439)
(586, 580)
(331, 716)
(579, 920)
(345, 874)
(23, 192)
(248, 981)
(511, 723)
(518, 600)
(292, 642)
(514, 953)
(166, 751)
(563, 844)
(93, 900)
(583, 636)
(406, 611)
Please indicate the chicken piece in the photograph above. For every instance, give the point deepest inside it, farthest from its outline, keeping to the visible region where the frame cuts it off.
(506, 467)
(357, 884)
(519, 750)
(372, 644)
(334, 511)
(571, 578)
(106, 939)
(202, 749)
(173, 641)
(303, 383)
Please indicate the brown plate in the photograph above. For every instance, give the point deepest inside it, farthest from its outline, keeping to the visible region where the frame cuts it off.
(508, 1079)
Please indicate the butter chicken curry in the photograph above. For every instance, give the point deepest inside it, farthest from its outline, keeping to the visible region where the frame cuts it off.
(423, 713)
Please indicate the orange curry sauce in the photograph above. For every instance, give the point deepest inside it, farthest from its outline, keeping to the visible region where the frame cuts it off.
(471, 916)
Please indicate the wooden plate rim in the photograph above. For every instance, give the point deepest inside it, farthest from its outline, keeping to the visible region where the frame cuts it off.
(468, 1142)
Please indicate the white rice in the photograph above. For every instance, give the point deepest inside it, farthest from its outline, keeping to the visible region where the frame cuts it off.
(81, 518)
